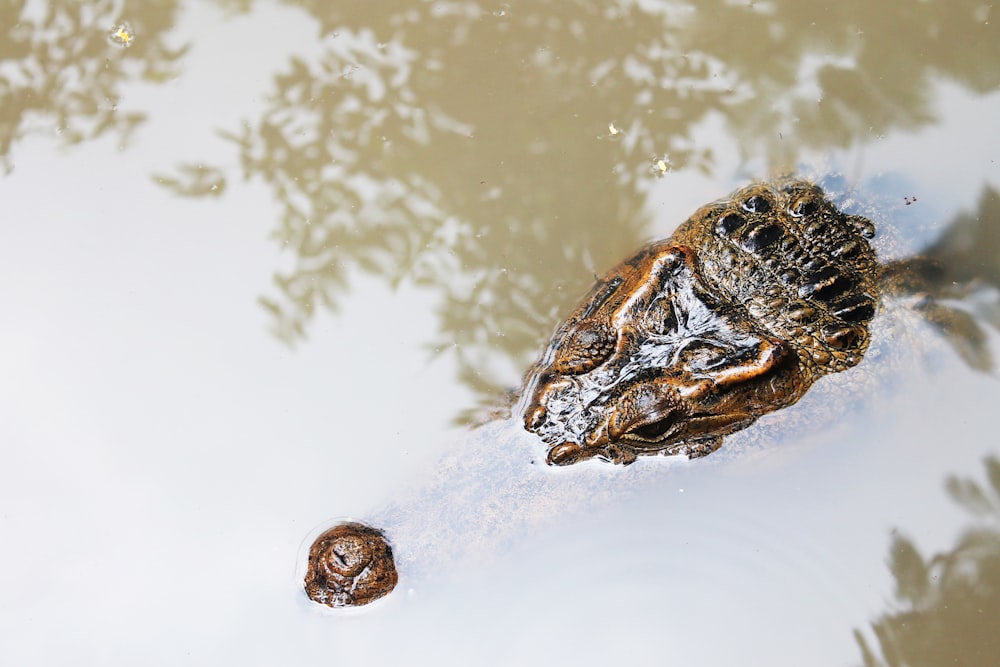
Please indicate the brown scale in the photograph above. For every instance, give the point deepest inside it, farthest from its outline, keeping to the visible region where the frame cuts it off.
(694, 337)
(798, 265)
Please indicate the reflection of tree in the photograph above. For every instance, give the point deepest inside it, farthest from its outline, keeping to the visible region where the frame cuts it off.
(456, 144)
(949, 604)
(59, 73)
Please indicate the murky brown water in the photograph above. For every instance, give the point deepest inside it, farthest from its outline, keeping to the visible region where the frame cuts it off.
(260, 263)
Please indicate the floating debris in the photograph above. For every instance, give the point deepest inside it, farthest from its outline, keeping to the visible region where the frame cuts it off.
(660, 165)
(122, 35)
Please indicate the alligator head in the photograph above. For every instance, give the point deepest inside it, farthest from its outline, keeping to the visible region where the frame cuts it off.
(736, 315)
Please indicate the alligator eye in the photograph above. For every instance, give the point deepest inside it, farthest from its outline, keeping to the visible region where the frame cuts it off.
(350, 565)
(654, 431)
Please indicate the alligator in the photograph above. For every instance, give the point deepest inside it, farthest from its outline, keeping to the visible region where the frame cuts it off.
(737, 314)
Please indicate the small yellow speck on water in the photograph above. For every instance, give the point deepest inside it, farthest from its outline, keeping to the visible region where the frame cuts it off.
(660, 166)
(612, 130)
(122, 34)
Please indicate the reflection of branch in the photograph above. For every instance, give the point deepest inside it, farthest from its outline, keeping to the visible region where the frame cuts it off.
(949, 604)
(63, 68)
(194, 181)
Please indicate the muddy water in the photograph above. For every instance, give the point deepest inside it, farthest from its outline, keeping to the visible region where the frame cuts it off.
(262, 264)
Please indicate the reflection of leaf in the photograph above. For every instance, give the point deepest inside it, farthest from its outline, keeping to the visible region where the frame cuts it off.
(963, 332)
(979, 541)
(909, 570)
(235, 6)
(195, 180)
(969, 249)
(867, 656)
(993, 474)
(284, 328)
(159, 72)
(969, 495)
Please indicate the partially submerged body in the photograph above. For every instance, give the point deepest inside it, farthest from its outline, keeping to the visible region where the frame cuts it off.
(693, 338)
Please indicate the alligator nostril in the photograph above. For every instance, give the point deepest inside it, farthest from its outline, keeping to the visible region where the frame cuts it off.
(564, 454)
(536, 418)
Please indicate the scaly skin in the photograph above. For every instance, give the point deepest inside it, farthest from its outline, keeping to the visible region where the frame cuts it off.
(735, 315)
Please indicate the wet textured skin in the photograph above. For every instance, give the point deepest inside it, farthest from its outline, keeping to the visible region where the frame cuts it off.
(350, 565)
(695, 337)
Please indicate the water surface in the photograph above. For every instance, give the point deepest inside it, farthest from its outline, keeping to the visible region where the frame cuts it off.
(261, 267)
